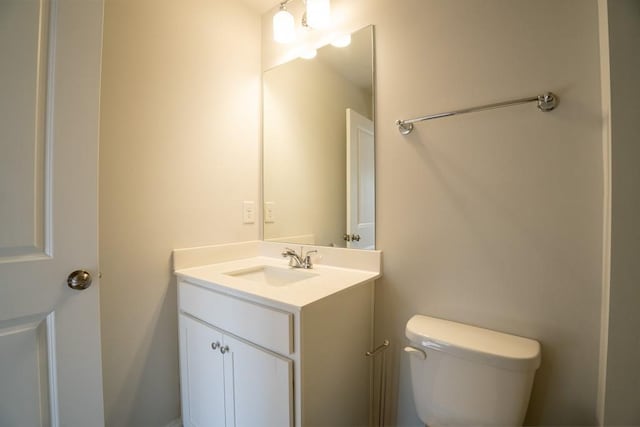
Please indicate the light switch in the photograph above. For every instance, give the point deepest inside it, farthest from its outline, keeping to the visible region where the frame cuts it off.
(248, 212)
(269, 212)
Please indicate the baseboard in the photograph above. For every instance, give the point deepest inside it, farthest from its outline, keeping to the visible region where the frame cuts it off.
(175, 423)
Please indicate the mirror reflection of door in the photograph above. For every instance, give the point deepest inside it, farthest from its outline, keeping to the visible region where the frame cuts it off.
(360, 182)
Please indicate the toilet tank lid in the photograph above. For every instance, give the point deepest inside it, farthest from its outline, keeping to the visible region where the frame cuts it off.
(473, 343)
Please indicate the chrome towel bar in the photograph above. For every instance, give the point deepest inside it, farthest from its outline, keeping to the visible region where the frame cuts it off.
(546, 102)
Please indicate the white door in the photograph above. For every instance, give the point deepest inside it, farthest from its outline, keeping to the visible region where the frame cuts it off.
(50, 366)
(361, 191)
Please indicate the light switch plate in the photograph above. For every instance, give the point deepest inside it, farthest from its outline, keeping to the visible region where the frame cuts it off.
(269, 212)
(248, 212)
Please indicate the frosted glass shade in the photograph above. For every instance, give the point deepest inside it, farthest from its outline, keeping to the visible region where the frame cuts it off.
(318, 13)
(284, 27)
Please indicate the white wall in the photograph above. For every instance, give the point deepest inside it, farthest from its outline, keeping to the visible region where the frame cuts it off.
(305, 149)
(494, 218)
(179, 152)
(623, 376)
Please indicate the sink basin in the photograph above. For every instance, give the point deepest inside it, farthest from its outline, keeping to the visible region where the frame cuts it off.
(270, 275)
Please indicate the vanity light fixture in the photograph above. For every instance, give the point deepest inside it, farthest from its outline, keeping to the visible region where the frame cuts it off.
(317, 15)
(284, 27)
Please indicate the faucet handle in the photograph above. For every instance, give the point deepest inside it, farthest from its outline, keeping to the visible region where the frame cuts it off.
(307, 259)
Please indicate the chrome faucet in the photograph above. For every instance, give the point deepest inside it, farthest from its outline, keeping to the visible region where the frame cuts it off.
(298, 261)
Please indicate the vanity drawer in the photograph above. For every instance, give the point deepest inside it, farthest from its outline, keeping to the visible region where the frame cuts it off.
(268, 327)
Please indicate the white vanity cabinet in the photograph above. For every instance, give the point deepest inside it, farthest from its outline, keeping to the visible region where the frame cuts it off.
(220, 373)
(248, 361)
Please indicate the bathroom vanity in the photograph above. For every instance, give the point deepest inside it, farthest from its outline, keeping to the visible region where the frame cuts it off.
(262, 344)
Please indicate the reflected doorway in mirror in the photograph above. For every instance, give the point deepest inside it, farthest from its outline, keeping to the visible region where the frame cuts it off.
(360, 182)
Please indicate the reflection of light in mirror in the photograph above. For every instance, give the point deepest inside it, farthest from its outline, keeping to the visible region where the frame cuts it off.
(343, 40)
(308, 53)
(284, 30)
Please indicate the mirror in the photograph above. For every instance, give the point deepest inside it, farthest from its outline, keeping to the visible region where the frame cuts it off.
(318, 147)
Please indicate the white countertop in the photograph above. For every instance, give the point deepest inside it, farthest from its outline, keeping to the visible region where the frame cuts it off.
(326, 280)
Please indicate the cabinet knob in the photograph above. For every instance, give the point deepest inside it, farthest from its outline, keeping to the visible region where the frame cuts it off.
(215, 345)
(224, 349)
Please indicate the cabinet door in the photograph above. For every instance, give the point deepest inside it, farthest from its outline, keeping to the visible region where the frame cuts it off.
(201, 375)
(261, 385)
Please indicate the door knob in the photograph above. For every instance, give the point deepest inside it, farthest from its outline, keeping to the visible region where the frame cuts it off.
(79, 280)
(355, 237)
(346, 238)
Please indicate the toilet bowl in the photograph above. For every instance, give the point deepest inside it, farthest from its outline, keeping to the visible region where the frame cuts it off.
(462, 375)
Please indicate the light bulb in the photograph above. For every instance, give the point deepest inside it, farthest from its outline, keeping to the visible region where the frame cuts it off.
(284, 27)
(342, 40)
(318, 13)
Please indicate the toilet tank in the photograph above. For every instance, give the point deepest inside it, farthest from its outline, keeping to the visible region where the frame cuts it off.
(470, 376)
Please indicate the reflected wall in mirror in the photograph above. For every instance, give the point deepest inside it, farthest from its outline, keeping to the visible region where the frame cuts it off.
(318, 142)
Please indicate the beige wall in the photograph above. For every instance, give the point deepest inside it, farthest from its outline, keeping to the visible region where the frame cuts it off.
(494, 218)
(305, 149)
(179, 152)
(623, 375)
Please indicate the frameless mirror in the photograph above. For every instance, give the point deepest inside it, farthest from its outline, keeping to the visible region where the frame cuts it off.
(318, 147)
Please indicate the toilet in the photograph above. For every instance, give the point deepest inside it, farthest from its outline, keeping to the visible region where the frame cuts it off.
(462, 375)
